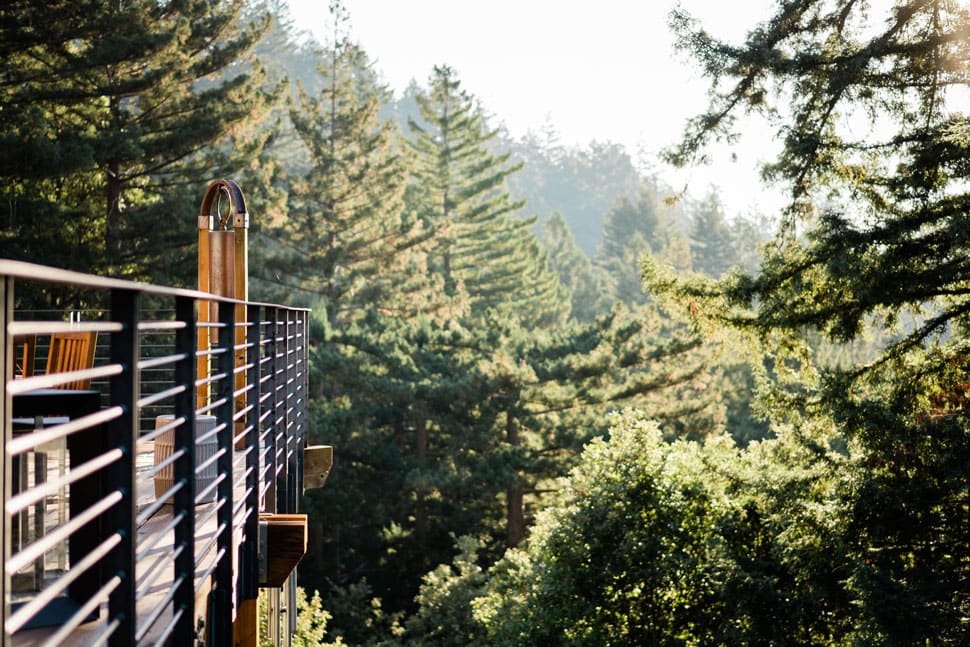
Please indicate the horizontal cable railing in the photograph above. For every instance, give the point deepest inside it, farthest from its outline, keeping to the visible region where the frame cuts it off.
(133, 484)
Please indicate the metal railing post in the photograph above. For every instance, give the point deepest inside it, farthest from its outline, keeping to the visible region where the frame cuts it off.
(222, 614)
(249, 574)
(183, 471)
(123, 434)
(283, 481)
(270, 450)
(295, 463)
(303, 389)
(279, 411)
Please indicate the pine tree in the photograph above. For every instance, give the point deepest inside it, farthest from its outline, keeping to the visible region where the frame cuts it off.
(749, 234)
(642, 215)
(414, 417)
(349, 247)
(632, 228)
(346, 239)
(891, 247)
(551, 389)
(581, 183)
(587, 284)
(113, 119)
(711, 243)
(453, 430)
(481, 249)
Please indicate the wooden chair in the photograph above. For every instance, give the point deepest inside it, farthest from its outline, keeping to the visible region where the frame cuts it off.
(68, 351)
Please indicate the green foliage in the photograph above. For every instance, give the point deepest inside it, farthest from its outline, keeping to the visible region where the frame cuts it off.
(457, 427)
(884, 249)
(445, 428)
(711, 242)
(673, 544)
(360, 617)
(642, 216)
(444, 615)
(410, 413)
(581, 183)
(631, 229)
(481, 248)
(311, 622)
(627, 556)
(459, 365)
(115, 122)
(346, 241)
(587, 284)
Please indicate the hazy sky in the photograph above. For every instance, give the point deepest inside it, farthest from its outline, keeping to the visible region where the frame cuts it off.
(602, 70)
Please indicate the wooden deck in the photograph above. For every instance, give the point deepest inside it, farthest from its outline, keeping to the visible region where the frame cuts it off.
(155, 571)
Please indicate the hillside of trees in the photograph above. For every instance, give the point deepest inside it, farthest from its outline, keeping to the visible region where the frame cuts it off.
(569, 405)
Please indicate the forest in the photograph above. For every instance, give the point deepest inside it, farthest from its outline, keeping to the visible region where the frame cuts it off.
(569, 403)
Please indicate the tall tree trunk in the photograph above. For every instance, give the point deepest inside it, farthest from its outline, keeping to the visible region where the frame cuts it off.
(515, 522)
(112, 234)
(421, 453)
(115, 200)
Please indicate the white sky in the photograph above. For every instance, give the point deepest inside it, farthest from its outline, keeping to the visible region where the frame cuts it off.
(597, 71)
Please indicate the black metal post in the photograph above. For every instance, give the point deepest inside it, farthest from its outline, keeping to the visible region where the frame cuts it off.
(293, 419)
(303, 358)
(183, 471)
(282, 479)
(222, 607)
(301, 428)
(249, 571)
(274, 330)
(123, 434)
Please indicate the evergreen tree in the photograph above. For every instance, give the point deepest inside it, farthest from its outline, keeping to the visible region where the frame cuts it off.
(552, 389)
(641, 215)
(748, 235)
(113, 121)
(291, 55)
(350, 248)
(346, 240)
(414, 419)
(892, 247)
(587, 283)
(481, 249)
(632, 228)
(711, 243)
(449, 430)
(581, 183)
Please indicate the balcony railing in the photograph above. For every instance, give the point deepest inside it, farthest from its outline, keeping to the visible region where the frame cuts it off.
(97, 547)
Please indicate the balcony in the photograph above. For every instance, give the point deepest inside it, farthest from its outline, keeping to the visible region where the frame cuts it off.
(124, 527)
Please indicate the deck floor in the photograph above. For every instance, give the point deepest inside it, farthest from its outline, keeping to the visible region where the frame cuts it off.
(155, 568)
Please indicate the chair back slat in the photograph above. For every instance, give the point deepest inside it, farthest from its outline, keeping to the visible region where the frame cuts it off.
(26, 368)
(72, 351)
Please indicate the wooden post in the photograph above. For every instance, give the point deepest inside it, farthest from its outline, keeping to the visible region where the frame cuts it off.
(224, 270)
(245, 630)
(203, 316)
(240, 228)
